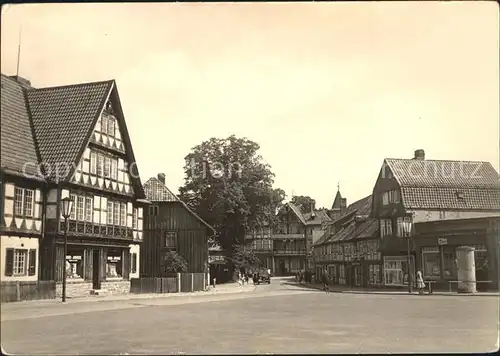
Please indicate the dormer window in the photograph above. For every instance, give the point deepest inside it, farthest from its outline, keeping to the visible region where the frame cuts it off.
(460, 195)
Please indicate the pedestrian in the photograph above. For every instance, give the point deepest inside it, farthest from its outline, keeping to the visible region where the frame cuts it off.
(326, 284)
(420, 282)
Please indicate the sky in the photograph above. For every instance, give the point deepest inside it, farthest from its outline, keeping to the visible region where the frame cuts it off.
(328, 90)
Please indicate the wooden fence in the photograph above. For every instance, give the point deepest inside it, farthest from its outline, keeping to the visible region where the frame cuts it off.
(16, 291)
(183, 282)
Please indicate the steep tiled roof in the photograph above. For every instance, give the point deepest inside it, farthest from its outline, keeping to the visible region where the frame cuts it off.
(319, 218)
(349, 226)
(156, 191)
(17, 151)
(63, 118)
(434, 184)
(443, 174)
(448, 198)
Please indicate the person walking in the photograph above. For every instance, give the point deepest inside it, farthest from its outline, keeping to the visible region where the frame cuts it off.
(326, 281)
(420, 282)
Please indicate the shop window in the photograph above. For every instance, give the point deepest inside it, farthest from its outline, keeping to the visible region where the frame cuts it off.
(74, 264)
(114, 264)
(396, 271)
(431, 262)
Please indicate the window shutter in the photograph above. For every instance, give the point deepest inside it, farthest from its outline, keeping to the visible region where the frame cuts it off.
(32, 263)
(9, 262)
(133, 263)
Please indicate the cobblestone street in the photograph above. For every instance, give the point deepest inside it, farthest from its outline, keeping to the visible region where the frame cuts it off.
(272, 319)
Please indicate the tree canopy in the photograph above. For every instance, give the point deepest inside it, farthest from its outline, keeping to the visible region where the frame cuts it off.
(230, 186)
(304, 202)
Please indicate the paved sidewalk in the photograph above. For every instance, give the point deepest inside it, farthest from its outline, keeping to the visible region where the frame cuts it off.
(358, 290)
(230, 288)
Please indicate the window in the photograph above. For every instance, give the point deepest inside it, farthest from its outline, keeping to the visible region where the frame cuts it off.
(133, 263)
(18, 262)
(114, 169)
(123, 214)
(72, 214)
(107, 167)
(400, 226)
(394, 196)
(431, 262)
(23, 202)
(104, 125)
(100, 165)
(79, 208)
(88, 209)
(28, 202)
(396, 270)
(111, 126)
(385, 198)
(20, 259)
(93, 162)
(374, 277)
(480, 255)
(153, 210)
(116, 213)
(385, 227)
(134, 218)
(110, 213)
(74, 263)
(170, 237)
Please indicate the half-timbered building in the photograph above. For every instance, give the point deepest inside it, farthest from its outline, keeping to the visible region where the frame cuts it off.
(170, 225)
(83, 151)
(348, 250)
(285, 250)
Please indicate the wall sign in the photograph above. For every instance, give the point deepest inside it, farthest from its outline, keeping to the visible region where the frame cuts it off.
(114, 258)
(73, 258)
(442, 241)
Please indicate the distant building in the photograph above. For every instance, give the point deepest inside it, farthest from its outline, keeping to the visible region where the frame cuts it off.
(287, 249)
(349, 248)
(170, 225)
(419, 190)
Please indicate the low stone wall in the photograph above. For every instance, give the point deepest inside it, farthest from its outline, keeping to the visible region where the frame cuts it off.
(77, 289)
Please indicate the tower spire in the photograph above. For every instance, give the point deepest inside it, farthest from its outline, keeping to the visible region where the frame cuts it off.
(19, 49)
(338, 186)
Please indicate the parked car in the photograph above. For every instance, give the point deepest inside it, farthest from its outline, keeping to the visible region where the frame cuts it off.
(264, 277)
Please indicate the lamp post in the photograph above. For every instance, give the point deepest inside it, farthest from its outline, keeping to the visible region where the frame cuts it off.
(407, 229)
(66, 205)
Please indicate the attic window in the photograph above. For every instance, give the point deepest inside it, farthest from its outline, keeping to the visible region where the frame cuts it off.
(460, 195)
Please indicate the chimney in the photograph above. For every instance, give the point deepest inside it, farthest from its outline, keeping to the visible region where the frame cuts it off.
(161, 177)
(420, 155)
(25, 83)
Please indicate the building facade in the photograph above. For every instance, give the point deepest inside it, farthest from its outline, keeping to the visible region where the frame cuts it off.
(170, 225)
(418, 190)
(78, 149)
(287, 249)
(348, 250)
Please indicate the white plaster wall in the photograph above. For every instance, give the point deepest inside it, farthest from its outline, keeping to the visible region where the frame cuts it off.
(21, 243)
(135, 249)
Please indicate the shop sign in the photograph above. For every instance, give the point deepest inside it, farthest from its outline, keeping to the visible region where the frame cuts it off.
(114, 258)
(73, 258)
(442, 241)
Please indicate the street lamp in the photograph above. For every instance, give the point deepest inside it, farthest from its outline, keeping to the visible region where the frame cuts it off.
(407, 229)
(66, 204)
